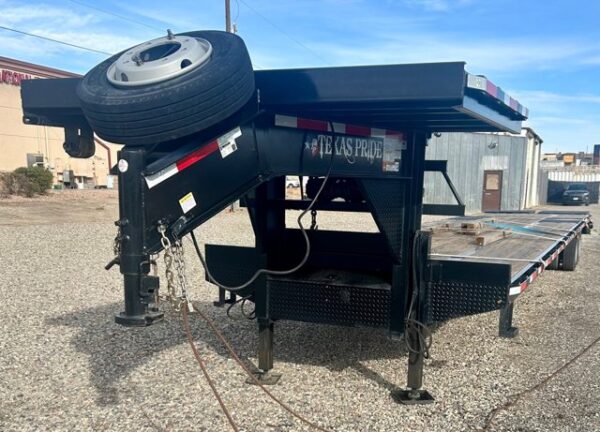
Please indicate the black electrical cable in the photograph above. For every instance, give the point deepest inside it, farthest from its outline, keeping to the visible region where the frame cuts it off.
(228, 311)
(251, 315)
(242, 300)
(425, 338)
(302, 230)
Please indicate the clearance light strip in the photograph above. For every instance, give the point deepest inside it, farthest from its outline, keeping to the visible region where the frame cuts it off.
(519, 289)
(482, 83)
(341, 128)
(225, 144)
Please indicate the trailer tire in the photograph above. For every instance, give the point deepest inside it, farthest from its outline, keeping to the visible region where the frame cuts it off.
(586, 229)
(554, 264)
(173, 108)
(570, 256)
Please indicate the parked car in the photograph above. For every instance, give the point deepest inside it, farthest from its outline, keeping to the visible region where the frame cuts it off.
(576, 193)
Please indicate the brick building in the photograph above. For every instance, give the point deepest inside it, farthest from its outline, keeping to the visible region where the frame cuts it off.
(22, 145)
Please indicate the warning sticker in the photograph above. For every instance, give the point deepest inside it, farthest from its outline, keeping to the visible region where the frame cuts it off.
(227, 144)
(392, 152)
(187, 202)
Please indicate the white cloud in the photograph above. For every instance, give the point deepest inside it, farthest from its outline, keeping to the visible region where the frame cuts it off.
(40, 13)
(481, 55)
(21, 46)
(177, 19)
(566, 122)
(439, 5)
(75, 26)
(98, 40)
(545, 97)
(557, 120)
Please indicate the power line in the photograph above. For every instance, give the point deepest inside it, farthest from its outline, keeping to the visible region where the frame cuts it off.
(123, 17)
(237, 11)
(55, 40)
(30, 136)
(296, 41)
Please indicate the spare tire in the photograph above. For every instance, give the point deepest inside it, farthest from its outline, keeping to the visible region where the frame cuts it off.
(155, 104)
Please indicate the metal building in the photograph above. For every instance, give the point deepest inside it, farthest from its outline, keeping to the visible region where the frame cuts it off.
(490, 171)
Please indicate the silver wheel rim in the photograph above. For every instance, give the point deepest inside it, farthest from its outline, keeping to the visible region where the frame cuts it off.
(159, 60)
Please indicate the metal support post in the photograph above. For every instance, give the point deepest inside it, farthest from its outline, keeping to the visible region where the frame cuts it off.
(415, 259)
(265, 345)
(415, 336)
(265, 355)
(414, 379)
(268, 221)
(506, 329)
(223, 300)
(139, 287)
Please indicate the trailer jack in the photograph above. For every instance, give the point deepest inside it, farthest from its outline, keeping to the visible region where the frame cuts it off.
(134, 262)
(414, 394)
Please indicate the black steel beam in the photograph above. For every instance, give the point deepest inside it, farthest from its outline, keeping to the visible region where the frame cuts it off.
(453, 190)
(368, 85)
(295, 204)
(444, 209)
(436, 165)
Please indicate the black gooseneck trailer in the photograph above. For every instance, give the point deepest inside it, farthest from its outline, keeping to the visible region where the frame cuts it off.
(361, 130)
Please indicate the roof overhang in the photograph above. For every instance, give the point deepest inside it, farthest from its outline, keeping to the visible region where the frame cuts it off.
(437, 97)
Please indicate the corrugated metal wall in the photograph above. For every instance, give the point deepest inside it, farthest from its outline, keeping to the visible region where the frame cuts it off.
(576, 175)
(468, 156)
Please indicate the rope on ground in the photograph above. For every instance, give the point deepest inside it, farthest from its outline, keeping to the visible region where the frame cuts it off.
(542, 383)
(188, 333)
(237, 359)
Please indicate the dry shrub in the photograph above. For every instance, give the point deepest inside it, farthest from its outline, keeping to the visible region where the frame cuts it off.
(26, 182)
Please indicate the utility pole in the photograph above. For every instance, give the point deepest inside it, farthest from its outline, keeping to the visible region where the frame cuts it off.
(228, 16)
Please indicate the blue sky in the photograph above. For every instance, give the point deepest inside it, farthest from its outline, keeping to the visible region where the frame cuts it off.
(546, 54)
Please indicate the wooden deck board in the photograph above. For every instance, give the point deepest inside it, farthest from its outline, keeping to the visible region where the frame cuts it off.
(525, 240)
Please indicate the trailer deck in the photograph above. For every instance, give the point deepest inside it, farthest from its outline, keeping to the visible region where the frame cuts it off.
(529, 242)
(521, 240)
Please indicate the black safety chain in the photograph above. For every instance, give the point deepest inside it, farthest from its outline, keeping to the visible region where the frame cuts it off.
(313, 223)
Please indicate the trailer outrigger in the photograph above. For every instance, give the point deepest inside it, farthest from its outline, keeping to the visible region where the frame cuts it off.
(359, 135)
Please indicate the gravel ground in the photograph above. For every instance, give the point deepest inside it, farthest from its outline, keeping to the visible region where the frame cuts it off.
(64, 364)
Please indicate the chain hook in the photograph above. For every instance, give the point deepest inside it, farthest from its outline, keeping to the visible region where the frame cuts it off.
(313, 223)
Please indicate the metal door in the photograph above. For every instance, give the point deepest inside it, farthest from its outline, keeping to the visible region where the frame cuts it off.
(492, 190)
